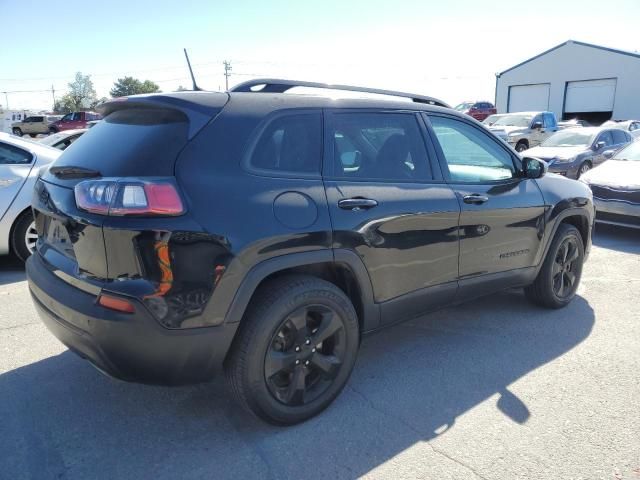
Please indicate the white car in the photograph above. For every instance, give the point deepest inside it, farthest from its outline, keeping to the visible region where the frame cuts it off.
(62, 140)
(20, 161)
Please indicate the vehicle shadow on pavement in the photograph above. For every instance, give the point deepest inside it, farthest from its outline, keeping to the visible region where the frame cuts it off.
(613, 237)
(62, 419)
(11, 270)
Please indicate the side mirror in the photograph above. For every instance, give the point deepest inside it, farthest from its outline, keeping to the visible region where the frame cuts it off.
(599, 145)
(351, 159)
(534, 167)
(537, 126)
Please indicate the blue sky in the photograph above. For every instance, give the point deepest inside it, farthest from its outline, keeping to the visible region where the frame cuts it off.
(446, 49)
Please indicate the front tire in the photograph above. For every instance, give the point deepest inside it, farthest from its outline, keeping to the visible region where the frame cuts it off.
(584, 168)
(24, 236)
(17, 132)
(521, 146)
(53, 130)
(295, 349)
(558, 279)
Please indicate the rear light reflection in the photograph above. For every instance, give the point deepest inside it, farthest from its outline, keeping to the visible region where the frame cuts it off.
(114, 303)
(129, 196)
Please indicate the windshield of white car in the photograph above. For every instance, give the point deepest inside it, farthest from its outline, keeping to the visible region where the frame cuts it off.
(568, 138)
(514, 121)
(631, 152)
(463, 106)
(51, 139)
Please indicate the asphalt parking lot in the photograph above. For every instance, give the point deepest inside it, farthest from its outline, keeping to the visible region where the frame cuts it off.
(494, 389)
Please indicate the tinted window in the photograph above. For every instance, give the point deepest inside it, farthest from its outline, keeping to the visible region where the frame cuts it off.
(471, 154)
(291, 143)
(378, 146)
(67, 117)
(619, 136)
(549, 120)
(536, 119)
(28, 120)
(38, 119)
(10, 155)
(133, 142)
(606, 138)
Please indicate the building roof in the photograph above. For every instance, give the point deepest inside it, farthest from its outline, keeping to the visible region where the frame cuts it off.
(614, 50)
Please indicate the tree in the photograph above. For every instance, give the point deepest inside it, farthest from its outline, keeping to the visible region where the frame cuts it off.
(181, 89)
(81, 95)
(132, 86)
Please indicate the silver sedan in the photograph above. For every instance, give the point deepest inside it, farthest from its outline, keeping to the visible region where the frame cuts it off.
(20, 161)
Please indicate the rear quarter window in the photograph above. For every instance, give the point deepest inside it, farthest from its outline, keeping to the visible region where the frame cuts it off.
(289, 144)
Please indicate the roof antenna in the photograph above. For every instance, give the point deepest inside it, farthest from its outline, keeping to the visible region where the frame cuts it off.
(193, 79)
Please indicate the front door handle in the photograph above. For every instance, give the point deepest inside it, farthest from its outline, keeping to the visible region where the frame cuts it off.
(356, 204)
(475, 199)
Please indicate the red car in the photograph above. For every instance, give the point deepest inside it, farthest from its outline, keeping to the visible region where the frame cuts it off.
(477, 110)
(73, 120)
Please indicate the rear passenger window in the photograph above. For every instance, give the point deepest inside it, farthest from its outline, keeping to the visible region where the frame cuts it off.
(378, 146)
(290, 144)
(10, 155)
(471, 154)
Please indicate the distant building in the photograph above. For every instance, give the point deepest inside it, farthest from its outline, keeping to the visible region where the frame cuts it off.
(574, 80)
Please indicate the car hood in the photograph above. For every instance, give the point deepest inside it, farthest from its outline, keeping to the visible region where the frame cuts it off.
(623, 174)
(555, 152)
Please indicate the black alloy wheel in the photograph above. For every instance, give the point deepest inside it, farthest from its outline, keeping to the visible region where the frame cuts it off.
(294, 350)
(564, 268)
(306, 355)
(557, 281)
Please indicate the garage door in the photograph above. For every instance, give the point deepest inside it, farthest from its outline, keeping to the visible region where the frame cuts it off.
(590, 96)
(526, 98)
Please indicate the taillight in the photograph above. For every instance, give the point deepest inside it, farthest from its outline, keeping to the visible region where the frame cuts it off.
(129, 196)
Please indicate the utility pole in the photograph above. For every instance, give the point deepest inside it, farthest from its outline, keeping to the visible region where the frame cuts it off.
(53, 94)
(227, 73)
(6, 97)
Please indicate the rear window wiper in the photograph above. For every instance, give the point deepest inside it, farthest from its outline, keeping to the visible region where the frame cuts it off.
(74, 172)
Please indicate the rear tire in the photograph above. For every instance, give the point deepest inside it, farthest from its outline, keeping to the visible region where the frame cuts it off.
(24, 236)
(53, 130)
(33, 135)
(558, 279)
(295, 349)
(17, 132)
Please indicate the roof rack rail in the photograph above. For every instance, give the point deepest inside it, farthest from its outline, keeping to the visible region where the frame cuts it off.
(275, 85)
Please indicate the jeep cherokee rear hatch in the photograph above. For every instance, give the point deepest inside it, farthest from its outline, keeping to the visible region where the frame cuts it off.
(116, 188)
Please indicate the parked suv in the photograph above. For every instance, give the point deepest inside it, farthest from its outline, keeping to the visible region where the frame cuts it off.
(477, 110)
(34, 125)
(73, 121)
(266, 232)
(526, 129)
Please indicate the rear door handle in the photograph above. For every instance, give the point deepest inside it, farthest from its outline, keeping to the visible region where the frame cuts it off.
(475, 199)
(357, 204)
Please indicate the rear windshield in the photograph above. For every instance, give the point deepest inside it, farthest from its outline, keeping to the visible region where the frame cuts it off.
(132, 142)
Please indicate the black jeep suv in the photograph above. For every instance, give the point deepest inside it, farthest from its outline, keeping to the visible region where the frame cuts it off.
(265, 232)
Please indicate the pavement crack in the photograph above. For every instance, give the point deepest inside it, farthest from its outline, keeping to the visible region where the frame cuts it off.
(416, 431)
(13, 327)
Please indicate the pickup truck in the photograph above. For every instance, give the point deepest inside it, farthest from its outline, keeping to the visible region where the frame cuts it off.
(524, 130)
(73, 120)
(34, 125)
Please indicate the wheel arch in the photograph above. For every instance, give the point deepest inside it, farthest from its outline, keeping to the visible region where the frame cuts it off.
(342, 268)
(579, 218)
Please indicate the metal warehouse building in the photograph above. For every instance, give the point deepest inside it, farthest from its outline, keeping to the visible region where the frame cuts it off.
(574, 80)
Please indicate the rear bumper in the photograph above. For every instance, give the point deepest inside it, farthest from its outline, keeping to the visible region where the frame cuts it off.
(132, 347)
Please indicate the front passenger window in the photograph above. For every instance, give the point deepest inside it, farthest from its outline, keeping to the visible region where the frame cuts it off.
(471, 154)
